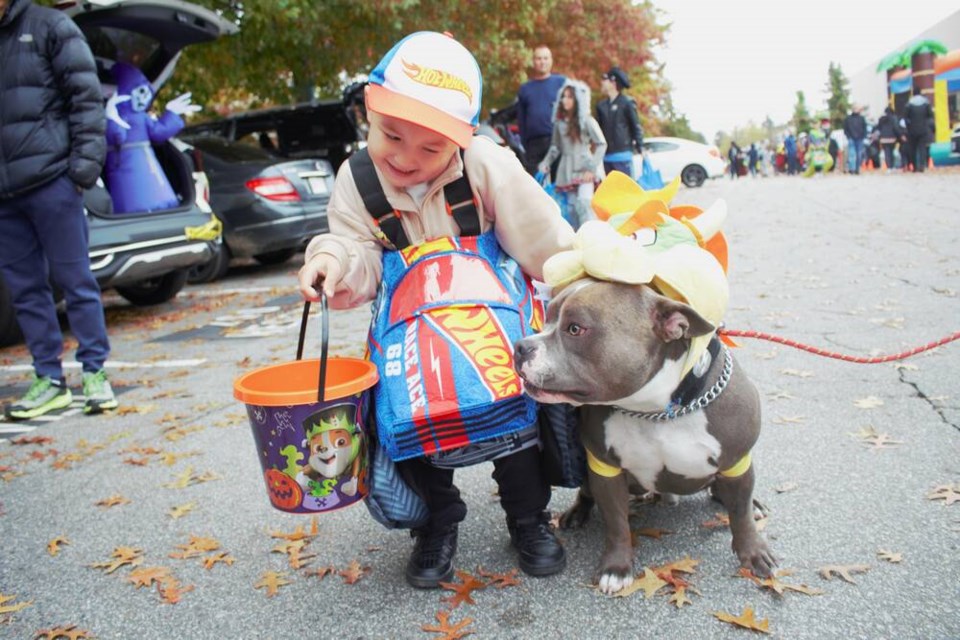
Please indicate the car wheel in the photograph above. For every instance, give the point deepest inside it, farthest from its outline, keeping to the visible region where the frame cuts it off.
(693, 175)
(275, 257)
(9, 328)
(215, 269)
(155, 290)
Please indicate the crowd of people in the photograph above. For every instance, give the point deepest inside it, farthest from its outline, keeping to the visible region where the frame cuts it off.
(893, 142)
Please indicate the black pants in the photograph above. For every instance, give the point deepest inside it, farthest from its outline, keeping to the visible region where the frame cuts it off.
(888, 153)
(523, 490)
(534, 151)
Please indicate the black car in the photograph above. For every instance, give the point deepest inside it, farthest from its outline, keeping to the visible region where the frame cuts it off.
(270, 207)
(144, 256)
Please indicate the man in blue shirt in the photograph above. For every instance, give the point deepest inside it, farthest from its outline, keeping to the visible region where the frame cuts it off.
(535, 108)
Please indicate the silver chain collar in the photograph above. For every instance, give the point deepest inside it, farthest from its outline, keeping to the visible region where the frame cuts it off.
(709, 396)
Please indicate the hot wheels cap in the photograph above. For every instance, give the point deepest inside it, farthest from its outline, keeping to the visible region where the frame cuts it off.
(431, 80)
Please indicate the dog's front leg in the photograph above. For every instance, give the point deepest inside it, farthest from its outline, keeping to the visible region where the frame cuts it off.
(612, 496)
(736, 494)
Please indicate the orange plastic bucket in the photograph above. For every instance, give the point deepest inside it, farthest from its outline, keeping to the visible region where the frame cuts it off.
(308, 419)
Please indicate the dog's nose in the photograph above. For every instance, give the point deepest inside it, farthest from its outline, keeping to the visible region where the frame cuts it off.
(522, 351)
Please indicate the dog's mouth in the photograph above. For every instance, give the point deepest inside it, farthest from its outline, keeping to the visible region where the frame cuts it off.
(539, 392)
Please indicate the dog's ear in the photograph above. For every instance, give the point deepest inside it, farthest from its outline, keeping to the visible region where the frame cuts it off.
(674, 320)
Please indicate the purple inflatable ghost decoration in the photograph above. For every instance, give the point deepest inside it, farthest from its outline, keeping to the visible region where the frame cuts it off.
(133, 174)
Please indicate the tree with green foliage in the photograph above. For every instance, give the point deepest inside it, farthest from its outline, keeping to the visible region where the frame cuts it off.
(838, 96)
(801, 121)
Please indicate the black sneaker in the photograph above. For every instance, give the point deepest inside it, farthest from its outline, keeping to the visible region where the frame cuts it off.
(432, 559)
(540, 553)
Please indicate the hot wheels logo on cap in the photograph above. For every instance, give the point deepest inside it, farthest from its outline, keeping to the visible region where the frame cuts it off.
(437, 79)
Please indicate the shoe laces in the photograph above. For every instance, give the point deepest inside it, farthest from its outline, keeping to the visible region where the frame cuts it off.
(534, 531)
(430, 544)
(94, 383)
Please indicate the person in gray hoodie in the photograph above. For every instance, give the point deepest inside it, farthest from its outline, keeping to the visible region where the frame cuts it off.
(579, 143)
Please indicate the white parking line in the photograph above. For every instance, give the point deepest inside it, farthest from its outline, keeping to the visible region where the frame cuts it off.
(119, 364)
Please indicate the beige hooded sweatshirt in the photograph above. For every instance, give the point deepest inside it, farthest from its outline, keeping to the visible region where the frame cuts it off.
(524, 218)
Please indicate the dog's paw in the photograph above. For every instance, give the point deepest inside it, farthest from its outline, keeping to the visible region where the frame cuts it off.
(614, 581)
(577, 515)
(757, 558)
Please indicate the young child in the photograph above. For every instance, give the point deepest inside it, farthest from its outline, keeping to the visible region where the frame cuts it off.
(575, 132)
(423, 104)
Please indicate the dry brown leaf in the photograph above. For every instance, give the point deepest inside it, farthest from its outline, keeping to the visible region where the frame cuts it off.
(136, 462)
(12, 608)
(462, 591)
(197, 546)
(680, 598)
(354, 572)
(650, 532)
(38, 440)
(890, 556)
(778, 586)
(450, 632)
(171, 590)
(69, 632)
(146, 576)
(745, 620)
(112, 501)
(499, 580)
(946, 492)
(321, 572)
(297, 534)
(181, 510)
(272, 581)
(121, 556)
(127, 409)
(224, 557)
(53, 547)
(843, 571)
(649, 583)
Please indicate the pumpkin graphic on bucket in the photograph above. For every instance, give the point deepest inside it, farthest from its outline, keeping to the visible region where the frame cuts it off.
(307, 418)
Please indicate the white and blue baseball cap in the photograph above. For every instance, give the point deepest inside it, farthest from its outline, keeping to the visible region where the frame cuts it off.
(431, 80)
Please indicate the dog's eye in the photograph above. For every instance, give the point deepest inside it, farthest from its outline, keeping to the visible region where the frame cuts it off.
(574, 329)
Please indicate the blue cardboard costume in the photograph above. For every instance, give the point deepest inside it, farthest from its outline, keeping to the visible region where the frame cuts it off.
(133, 174)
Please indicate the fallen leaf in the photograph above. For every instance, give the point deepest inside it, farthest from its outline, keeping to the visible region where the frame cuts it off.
(121, 556)
(500, 580)
(224, 557)
(320, 572)
(649, 583)
(171, 590)
(354, 572)
(870, 402)
(653, 533)
(272, 581)
(785, 487)
(789, 419)
(146, 576)
(112, 501)
(197, 546)
(69, 632)
(53, 547)
(462, 591)
(450, 632)
(889, 556)
(745, 620)
(297, 534)
(12, 608)
(778, 586)
(781, 395)
(127, 409)
(843, 571)
(679, 598)
(946, 492)
(181, 510)
(39, 440)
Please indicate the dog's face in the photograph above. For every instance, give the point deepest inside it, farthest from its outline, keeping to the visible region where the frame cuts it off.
(603, 342)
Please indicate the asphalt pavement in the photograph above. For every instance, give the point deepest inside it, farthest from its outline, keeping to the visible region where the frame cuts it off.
(858, 465)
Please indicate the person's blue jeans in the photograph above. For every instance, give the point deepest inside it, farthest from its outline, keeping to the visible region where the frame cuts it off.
(854, 155)
(44, 235)
(624, 167)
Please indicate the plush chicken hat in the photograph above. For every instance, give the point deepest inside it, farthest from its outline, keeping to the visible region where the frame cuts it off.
(639, 239)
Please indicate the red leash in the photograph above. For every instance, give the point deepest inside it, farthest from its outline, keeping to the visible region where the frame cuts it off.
(759, 335)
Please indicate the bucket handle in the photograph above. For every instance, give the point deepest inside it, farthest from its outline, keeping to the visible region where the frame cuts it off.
(324, 340)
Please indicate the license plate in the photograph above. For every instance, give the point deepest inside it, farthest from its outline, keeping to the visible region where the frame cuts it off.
(317, 185)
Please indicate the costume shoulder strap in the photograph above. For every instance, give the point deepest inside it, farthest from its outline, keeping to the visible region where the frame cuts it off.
(462, 205)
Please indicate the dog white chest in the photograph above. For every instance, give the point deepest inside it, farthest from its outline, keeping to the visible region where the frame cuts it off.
(682, 446)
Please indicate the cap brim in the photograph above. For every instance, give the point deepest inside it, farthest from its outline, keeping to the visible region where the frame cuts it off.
(395, 105)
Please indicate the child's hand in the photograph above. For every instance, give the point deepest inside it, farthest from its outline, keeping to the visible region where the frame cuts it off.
(322, 269)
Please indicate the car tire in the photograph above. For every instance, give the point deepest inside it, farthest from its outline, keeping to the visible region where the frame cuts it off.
(9, 327)
(213, 270)
(275, 257)
(693, 175)
(155, 290)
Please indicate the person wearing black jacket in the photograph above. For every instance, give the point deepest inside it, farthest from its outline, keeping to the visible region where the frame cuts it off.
(918, 116)
(618, 119)
(855, 129)
(890, 133)
(52, 146)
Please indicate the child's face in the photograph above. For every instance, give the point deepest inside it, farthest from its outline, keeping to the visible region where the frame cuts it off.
(406, 153)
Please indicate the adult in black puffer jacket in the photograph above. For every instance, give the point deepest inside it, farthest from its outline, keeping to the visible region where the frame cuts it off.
(51, 146)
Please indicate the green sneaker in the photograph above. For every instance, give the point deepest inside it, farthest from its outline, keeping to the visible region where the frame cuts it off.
(43, 396)
(99, 394)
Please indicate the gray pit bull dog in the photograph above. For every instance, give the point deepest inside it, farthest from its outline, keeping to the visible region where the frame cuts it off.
(618, 350)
